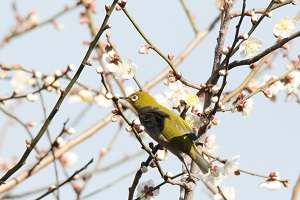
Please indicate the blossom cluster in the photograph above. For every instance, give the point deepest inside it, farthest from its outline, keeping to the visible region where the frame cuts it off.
(121, 69)
(251, 45)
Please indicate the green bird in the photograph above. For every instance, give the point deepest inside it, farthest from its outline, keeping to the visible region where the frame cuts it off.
(167, 128)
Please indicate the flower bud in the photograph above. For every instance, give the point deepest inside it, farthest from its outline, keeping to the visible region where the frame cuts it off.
(207, 111)
(28, 143)
(286, 183)
(71, 67)
(144, 169)
(108, 95)
(107, 7)
(88, 63)
(38, 74)
(99, 70)
(215, 122)
(215, 89)
(31, 82)
(58, 72)
(269, 14)
(169, 174)
(123, 3)
(268, 93)
(60, 142)
(75, 177)
(143, 50)
(114, 118)
(31, 97)
(128, 128)
(225, 50)
(70, 130)
(103, 151)
(136, 122)
(221, 106)
(52, 187)
(254, 19)
(222, 72)
(214, 99)
(118, 8)
(244, 36)
(31, 123)
(172, 79)
(171, 56)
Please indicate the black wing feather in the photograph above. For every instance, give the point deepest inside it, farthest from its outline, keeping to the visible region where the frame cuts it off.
(153, 117)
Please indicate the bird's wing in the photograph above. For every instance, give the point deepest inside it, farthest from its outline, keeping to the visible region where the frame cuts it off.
(153, 117)
(182, 126)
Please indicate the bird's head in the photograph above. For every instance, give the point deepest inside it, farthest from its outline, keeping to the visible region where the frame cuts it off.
(139, 100)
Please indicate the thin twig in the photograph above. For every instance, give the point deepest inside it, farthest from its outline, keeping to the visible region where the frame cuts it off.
(66, 181)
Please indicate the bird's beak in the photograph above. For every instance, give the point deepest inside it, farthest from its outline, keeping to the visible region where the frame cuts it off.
(124, 98)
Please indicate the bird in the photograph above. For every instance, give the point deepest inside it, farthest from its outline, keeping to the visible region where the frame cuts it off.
(167, 129)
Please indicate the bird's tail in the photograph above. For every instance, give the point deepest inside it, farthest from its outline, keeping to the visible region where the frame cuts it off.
(202, 163)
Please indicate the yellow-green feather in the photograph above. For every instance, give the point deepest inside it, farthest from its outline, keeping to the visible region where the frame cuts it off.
(175, 127)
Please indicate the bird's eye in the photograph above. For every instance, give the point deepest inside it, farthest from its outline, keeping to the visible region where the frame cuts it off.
(134, 98)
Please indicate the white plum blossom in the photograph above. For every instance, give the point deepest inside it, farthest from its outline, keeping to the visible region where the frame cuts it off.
(102, 101)
(232, 165)
(108, 61)
(292, 83)
(250, 47)
(228, 192)
(247, 107)
(272, 183)
(210, 144)
(163, 100)
(193, 120)
(192, 99)
(19, 80)
(85, 95)
(198, 109)
(143, 187)
(284, 27)
(68, 159)
(215, 175)
(129, 90)
(275, 87)
(177, 91)
(121, 69)
(126, 70)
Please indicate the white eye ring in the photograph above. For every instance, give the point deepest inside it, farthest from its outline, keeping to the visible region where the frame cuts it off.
(134, 98)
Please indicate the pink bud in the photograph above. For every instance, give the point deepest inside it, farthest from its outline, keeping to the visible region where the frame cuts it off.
(52, 187)
(108, 26)
(107, 7)
(114, 118)
(171, 56)
(244, 36)
(267, 93)
(269, 14)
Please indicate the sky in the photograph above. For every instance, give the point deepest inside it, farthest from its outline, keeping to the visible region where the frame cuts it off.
(266, 141)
